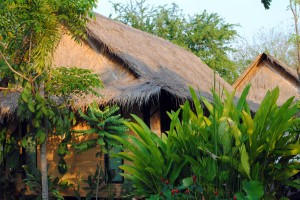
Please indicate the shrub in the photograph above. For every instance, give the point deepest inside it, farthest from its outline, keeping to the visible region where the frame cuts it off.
(225, 150)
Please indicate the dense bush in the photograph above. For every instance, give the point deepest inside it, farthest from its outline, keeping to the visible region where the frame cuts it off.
(227, 151)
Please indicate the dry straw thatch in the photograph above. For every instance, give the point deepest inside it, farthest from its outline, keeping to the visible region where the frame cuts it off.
(265, 73)
(135, 66)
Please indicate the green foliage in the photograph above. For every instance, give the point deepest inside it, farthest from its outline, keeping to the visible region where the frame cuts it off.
(273, 145)
(266, 3)
(42, 114)
(29, 33)
(96, 183)
(30, 29)
(152, 157)
(8, 146)
(127, 190)
(188, 189)
(104, 123)
(73, 81)
(203, 140)
(62, 151)
(209, 37)
(277, 41)
(33, 181)
(206, 35)
(223, 149)
(10, 163)
(261, 148)
(253, 189)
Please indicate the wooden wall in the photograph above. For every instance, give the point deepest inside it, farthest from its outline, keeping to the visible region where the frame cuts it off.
(84, 164)
(81, 165)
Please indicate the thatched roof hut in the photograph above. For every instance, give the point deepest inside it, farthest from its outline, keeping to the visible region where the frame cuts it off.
(144, 74)
(265, 73)
(135, 66)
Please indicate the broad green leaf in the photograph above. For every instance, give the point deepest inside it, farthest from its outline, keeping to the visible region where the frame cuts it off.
(228, 104)
(250, 126)
(196, 101)
(40, 136)
(289, 150)
(176, 171)
(245, 160)
(187, 181)
(254, 189)
(242, 99)
(208, 105)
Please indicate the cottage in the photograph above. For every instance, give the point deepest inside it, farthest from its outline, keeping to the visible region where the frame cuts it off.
(265, 73)
(143, 74)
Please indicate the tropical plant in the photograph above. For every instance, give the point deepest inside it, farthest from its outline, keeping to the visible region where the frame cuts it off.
(10, 164)
(272, 143)
(33, 181)
(188, 189)
(202, 140)
(29, 33)
(95, 183)
(127, 190)
(104, 123)
(150, 157)
(264, 145)
(228, 150)
(254, 190)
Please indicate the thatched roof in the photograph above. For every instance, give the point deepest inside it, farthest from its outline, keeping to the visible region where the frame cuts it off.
(135, 66)
(265, 73)
(156, 63)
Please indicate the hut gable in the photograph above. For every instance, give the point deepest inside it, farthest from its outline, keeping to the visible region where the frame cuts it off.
(265, 73)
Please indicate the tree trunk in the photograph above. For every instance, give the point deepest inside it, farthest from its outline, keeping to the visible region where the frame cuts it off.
(294, 6)
(44, 170)
(298, 46)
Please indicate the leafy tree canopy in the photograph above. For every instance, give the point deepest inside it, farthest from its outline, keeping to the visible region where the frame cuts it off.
(277, 41)
(266, 3)
(29, 33)
(30, 29)
(206, 35)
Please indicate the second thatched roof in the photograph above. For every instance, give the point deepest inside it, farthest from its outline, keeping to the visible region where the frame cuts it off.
(265, 73)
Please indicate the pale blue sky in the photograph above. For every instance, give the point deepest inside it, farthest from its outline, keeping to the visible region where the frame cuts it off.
(250, 14)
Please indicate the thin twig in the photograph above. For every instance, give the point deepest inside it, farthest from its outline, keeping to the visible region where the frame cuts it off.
(11, 89)
(38, 75)
(13, 70)
(30, 43)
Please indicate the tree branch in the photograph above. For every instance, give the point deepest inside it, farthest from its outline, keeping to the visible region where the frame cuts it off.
(38, 75)
(13, 70)
(10, 89)
(292, 8)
